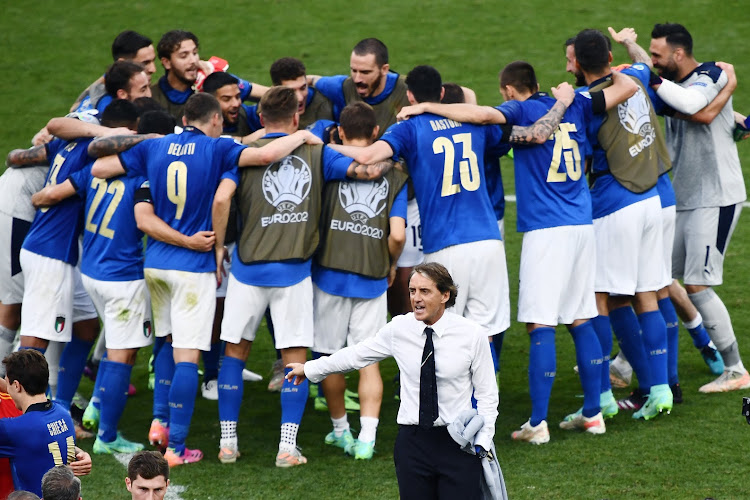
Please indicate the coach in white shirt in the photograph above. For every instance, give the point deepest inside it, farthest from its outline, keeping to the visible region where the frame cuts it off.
(429, 464)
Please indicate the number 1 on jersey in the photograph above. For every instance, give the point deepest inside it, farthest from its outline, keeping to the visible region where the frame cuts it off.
(177, 186)
(468, 167)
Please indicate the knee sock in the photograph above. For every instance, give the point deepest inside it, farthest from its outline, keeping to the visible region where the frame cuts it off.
(113, 395)
(369, 429)
(181, 404)
(100, 351)
(158, 344)
(673, 329)
(628, 331)
(497, 343)
(293, 399)
(163, 375)
(96, 395)
(542, 366)
(72, 363)
(230, 398)
(211, 362)
(603, 331)
(697, 331)
(718, 324)
(655, 341)
(589, 359)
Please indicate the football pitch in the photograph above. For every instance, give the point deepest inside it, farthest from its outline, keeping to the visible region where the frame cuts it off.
(53, 50)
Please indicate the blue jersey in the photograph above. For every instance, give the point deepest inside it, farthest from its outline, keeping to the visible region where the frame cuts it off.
(112, 243)
(181, 96)
(666, 191)
(344, 284)
(252, 120)
(288, 273)
(446, 164)
(551, 189)
(183, 172)
(494, 182)
(608, 195)
(332, 87)
(54, 232)
(38, 440)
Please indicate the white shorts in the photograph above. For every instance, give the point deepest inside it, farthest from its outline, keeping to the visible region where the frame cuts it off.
(501, 227)
(557, 275)
(83, 306)
(668, 225)
(222, 290)
(125, 309)
(11, 277)
(629, 249)
(412, 253)
(701, 239)
(291, 312)
(341, 321)
(479, 270)
(47, 311)
(183, 304)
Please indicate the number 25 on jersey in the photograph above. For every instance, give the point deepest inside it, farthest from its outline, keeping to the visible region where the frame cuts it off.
(566, 153)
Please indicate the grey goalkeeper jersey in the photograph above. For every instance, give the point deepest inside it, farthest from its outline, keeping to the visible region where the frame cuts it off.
(706, 167)
(16, 187)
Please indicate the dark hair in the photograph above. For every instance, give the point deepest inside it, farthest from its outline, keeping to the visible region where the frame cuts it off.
(120, 113)
(118, 76)
(425, 84)
(201, 107)
(570, 41)
(278, 104)
(520, 75)
(171, 40)
(676, 34)
(453, 93)
(59, 483)
(22, 495)
(287, 68)
(441, 277)
(127, 44)
(372, 46)
(217, 80)
(358, 120)
(29, 367)
(592, 50)
(148, 465)
(156, 122)
(147, 104)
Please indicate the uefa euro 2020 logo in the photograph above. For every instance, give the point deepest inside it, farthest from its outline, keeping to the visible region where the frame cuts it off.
(363, 200)
(635, 117)
(287, 184)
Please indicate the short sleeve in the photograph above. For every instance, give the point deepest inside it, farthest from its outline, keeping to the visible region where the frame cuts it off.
(81, 180)
(399, 137)
(335, 165)
(133, 160)
(399, 204)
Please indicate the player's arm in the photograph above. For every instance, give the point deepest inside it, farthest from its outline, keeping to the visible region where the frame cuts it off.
(257, 90)
(107, 167)
(627, 37)
(539, 131)
(254, 136)
(276, 150)
(375, 152)
(152, 225)
(53, 194)
(707, 114)
(105, 146)
(82, 464)
(220, 216)
(396, 242)
(461, 112)
(27, 157)
(312, 80)
(470, 97)
(622, 89)
(73, 128)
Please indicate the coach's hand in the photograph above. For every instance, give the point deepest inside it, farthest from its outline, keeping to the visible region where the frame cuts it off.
(202, 241)
(297, 375)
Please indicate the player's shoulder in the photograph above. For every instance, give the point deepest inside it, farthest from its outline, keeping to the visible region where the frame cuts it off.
(709, 70)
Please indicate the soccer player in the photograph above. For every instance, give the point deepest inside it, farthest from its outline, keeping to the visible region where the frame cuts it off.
(188, 175)
(709, 191)
(271, 266)
(363, 233)
(43, 436)
(148, 476)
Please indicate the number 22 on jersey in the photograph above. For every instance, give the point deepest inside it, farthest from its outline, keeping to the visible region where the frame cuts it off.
(468, 166)
(117, 189)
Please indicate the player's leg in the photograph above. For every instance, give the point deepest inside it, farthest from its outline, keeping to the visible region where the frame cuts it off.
(209, 386)
(10, 320)
(693, 322)
(11, 281)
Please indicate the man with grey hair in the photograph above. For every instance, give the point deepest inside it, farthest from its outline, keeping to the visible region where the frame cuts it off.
(59, 483)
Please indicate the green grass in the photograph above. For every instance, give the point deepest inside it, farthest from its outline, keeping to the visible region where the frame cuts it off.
(52, 50)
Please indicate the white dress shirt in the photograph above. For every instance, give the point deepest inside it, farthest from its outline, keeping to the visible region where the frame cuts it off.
(463, 364)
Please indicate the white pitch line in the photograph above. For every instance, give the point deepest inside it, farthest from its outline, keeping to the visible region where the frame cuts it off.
(173, 491)
(511, 198)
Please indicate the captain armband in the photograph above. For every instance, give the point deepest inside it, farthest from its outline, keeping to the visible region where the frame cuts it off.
(143, 194)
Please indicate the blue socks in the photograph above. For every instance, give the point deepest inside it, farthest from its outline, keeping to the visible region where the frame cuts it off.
(293, 399)
(113, 395)
(493, 352)
(673, 329)
(628, 331)
(655, 342)
(589, 359)
(230, 389)
(699, 335)
(603, 330)
(72, 363)
(211, 361)
(542, 367)
(163, 375)
(181, 404)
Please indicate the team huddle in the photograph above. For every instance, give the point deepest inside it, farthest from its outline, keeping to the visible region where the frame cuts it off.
(310, 206)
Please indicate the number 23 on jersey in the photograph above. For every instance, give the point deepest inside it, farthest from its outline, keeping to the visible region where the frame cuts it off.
(468, 166)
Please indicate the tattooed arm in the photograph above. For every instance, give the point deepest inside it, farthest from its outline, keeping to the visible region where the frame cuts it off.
(369, 172)
(105, 146)
(27, 157)
(627, 37)
(73, 128)
(539, 132)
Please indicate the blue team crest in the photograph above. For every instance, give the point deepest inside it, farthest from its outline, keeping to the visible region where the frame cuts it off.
(287, 184)
(363, 200)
